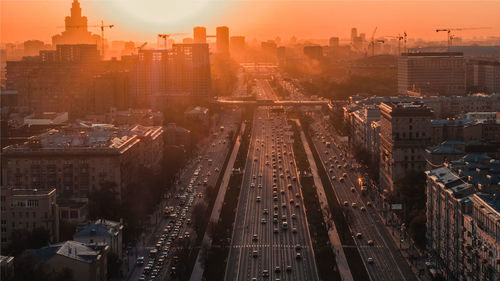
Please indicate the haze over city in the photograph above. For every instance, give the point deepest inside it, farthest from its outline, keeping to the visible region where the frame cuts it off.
(249, 140)
(140, 21)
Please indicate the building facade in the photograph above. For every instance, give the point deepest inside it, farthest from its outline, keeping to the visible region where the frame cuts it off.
(404, 135)
(463, 218)
(81, 158)
(28, 209)
(432, 73)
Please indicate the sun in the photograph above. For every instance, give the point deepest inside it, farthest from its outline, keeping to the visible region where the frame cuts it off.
(161, 13)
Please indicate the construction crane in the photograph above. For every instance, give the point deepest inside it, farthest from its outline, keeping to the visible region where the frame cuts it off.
(399, 37)
(102, 26)
(451, 36)
(165, 37)
(373, 41)
(141, 46)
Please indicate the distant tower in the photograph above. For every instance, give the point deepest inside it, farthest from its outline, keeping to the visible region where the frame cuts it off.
(76, 29)
(199, 34)
(354, 33)
(334, 42)
(222, 40)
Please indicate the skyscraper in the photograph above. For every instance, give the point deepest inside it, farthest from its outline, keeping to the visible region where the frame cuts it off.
(75, 29)
(334, 42)
(222, 40)
(199, 35)
(354, 33)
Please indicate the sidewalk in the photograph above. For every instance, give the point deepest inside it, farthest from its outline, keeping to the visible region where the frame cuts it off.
(341, 260)
(198, 268)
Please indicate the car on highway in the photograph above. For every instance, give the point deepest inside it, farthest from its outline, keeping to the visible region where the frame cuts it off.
(369, 204)
(370, 260)
(354, 205)
(359, 235)
(370, 243)
(255, 254)
(363, 209)
(353, 189)
(140, 261)
(258, 198)
(255, 237)
(298, 256)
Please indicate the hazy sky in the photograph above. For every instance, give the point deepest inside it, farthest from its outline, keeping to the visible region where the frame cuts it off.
(141, 20)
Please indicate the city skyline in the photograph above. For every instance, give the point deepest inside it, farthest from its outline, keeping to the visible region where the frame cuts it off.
(21, 20)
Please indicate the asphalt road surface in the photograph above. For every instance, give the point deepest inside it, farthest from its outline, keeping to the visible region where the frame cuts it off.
(270, 238)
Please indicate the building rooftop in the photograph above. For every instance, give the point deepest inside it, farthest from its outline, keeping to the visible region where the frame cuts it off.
(99, 228)
(70, 249)
(79, 137)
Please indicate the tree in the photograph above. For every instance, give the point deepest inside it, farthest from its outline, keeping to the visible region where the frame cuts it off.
(199, 218)
(22, 239)
(103, 203)
(114, 266)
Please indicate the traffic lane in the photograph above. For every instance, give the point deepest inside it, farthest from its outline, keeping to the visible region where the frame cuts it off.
(394, 271)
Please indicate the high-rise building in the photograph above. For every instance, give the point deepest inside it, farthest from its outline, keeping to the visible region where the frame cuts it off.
(432, 73)
(404, 134)
(334, 42)
(76, 29)
(484, 76)
(237, 43)
(354, 34)
(55, 81)
(313, 52)
(222, 40)
(183, 71)
(199, 35)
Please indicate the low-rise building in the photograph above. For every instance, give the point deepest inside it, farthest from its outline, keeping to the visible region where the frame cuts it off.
(87, 262)
(102, 231)
(28, 209)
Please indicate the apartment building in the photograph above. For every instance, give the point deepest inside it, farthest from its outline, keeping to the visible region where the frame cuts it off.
(80, 158)
(404, 135)
(28, 209)
(441, 74)
(463, 218)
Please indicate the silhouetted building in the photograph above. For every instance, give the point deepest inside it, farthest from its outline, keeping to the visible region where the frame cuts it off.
(182, 72)
(56, 81)
(33, 47)
(432, 73)
(237, 43)
(76, 29)
(222, 40)
(199, 35)
(313, 52)
(484, 76)
(334, 42)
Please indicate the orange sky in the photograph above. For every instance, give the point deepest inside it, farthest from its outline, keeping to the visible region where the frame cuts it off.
(141, 20)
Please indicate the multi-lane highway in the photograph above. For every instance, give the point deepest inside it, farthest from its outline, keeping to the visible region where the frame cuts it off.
(378, 250)
(202, 171)
(270, 237)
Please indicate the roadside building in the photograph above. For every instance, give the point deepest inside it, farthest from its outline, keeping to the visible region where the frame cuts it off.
(405, 130)
(87, 262)
(102, 231)
(28, 209)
